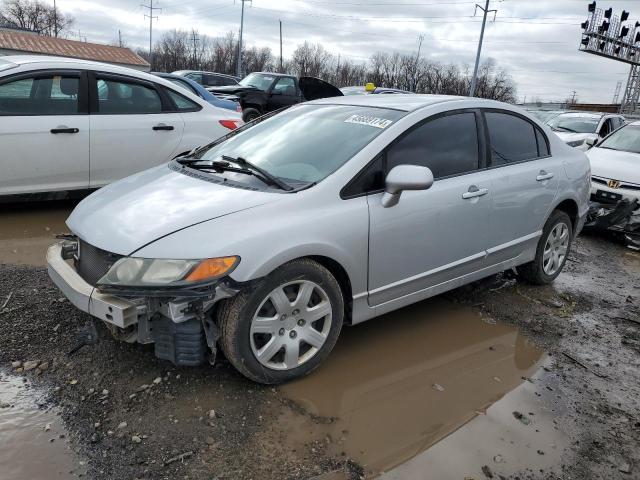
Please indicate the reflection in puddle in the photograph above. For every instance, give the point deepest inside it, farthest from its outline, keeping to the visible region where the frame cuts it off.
(27, 451)
(27, 230)
(395, 386)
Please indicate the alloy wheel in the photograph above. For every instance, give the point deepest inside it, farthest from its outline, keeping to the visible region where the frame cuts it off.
(291, 325)
(555, 249)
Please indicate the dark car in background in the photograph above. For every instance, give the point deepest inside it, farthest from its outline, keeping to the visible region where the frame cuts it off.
(264, 92)
(197, 89)
(208, 79)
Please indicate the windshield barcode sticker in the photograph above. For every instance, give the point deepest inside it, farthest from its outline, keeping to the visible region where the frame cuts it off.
(370, 121)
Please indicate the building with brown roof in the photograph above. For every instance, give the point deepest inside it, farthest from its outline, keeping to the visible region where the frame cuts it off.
(17, 42)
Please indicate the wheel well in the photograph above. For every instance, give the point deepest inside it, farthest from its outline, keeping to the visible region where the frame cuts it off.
(570, 207)
(342, 277)
(252, 105)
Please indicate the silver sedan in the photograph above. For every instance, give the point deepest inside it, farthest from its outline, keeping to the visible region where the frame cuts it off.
(267, 242)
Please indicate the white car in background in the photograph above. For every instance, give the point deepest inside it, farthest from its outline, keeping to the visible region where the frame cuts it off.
(575, 128)
(68, 124)
(615, 165)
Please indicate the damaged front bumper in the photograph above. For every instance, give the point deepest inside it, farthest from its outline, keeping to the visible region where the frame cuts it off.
(621, 218)
(181, 328)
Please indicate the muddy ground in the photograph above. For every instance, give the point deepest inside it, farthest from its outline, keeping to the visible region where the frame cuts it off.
(498, 379)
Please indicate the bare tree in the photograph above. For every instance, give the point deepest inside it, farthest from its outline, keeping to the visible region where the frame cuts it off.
(177, 50)
(36, 16)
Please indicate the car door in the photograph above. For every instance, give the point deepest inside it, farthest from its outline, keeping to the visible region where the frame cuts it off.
(524, 183)
(44, 132)
(283, 93)
(133, 127)
(431, 236)
(606, 127)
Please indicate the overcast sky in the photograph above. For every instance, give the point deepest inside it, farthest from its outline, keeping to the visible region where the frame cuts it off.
(535, 40)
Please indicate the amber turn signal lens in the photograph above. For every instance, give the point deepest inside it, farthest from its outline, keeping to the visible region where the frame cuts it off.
(212, 268)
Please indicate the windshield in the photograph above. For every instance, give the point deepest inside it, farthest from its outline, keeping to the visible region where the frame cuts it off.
(574, 123)
(306, 143)
(626, 139)
(543, 115)
(258, 80)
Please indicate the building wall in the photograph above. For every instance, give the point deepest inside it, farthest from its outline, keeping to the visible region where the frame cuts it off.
(141, 68)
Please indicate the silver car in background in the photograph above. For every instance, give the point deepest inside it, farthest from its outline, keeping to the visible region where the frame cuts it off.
(332, 212)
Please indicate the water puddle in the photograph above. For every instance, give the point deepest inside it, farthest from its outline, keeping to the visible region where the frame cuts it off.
(26, 433)
(395, 387)
(27, 230)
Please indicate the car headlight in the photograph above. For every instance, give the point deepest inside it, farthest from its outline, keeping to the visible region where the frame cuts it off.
(575, 143)
(149, 272)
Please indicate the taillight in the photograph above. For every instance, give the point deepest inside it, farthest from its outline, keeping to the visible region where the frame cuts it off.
(230, 124)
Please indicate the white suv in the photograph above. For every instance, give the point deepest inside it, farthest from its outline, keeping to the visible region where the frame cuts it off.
(68, 124)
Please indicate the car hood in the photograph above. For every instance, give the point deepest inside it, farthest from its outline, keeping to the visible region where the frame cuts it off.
(313, 88)
(232, 89)
(133, 212)
(567, 137)
(614, 164)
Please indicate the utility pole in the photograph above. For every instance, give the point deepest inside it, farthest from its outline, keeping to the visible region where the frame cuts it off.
(119, 38)
(573, 97)
(485, 10)
(55, 19)
(239, 65)
(151, 17)
(281, 68)
(195, 39)
(415, 73)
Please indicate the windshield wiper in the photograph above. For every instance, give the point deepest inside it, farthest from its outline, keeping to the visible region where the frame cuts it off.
(269, 178)
(565, 129)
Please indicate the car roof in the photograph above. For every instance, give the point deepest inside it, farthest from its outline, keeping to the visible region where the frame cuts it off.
(273, 74)
(178, 72)
(590, 114)
(406, 103)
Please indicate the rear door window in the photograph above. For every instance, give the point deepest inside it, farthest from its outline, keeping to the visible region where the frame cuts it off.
(40, 95)
(448, 145)
(512, 138)
(123, 97)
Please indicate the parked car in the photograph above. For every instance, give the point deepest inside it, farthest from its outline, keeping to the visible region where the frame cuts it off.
(328, 213)
(370, 88)
(262, 92)
(615, 166)
(575, 128)
(208, 79)
(197, 89)
(68, 124)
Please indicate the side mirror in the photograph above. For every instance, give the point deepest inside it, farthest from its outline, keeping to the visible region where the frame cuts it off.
(276, 92)
(591, 142)
(405, 177)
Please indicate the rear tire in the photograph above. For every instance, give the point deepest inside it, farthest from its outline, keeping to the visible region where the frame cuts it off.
(284, 325)
(249, 114)
(551, 254)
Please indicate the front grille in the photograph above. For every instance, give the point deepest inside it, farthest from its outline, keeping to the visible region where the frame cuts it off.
(93, 263)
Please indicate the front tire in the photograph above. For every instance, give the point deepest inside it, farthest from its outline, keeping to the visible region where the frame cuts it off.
(284, 326)
(551, 254)
(249, 114)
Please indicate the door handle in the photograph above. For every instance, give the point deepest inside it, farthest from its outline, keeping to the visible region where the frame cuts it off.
(474, 192)
(542, 176)
(162, 126)
(61, 129)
